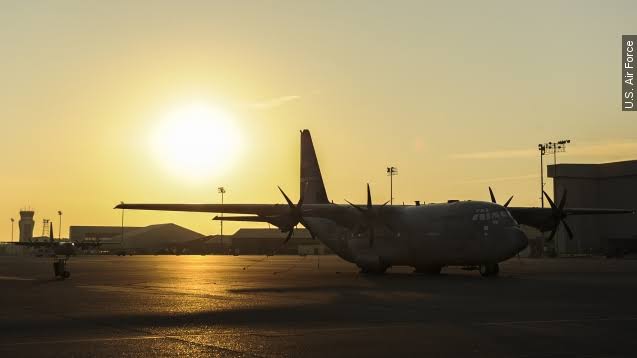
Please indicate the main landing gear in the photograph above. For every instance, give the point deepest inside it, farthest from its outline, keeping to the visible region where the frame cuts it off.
(488, 270)
(59, 268)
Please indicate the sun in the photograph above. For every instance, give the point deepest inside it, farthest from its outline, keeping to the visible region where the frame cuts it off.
(196, 141)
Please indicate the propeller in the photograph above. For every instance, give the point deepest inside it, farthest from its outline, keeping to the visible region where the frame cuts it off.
(495, 201)
(295, 217)
(370, 215)
(558, 215)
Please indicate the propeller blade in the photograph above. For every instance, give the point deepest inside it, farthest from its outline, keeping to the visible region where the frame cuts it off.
(286, 198)
(549, 200)
(288, 237)
(310, 231)
(552, 233)
(508, 201)
(563, 201)
(568, 230)
(369, 197)
(385, 203)
(492, 196)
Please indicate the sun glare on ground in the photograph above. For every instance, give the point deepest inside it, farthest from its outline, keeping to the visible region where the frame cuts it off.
(196, 141)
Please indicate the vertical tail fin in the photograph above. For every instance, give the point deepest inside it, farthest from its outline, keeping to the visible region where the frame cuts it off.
(312, 187)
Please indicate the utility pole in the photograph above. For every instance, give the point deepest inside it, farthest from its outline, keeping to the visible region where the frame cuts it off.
(12, 225)
(221, 191)
(60, 225)
(391, 171)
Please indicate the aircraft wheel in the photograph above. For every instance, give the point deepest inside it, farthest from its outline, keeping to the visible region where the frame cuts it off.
(487, 270)
(428, 270)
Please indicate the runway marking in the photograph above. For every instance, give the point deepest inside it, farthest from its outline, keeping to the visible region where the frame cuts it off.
(15, 278)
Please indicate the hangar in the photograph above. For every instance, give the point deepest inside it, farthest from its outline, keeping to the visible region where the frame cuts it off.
(154, 238)
(93, 233)
(609, 185)
(149, 239)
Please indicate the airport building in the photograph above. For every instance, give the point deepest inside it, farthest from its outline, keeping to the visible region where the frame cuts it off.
(94, 233)
(149, 239)
(26, 225)
(160, 237)
(607, 185)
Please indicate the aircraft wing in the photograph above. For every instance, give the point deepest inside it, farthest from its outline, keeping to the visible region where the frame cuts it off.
(30, 243)
(545, 219)
(279, 215)
(255, 209)
(592, 211)
(275, 214)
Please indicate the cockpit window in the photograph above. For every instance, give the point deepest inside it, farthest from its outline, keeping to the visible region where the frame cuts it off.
(502, 216)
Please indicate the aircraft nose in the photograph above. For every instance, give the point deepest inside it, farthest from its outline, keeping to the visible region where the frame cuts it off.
(518, 238)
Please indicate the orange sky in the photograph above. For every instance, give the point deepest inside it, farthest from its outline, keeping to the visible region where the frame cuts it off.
(456, 95)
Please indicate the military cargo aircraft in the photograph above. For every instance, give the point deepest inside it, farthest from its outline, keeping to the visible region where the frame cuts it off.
(376, 237)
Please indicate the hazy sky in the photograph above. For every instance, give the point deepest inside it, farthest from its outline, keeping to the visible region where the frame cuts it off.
(456, 94)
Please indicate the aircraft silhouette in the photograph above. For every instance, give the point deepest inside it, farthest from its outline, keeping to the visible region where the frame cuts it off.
(375, 237)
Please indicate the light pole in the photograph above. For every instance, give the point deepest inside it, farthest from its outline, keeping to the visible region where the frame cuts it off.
(12, 225)
(542, 149)
(560, 146)
(552, 148)
(221, 191)
(123, 230)
(391, 171)
(60, 225)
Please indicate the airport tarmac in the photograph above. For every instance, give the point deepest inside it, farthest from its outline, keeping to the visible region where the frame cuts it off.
(295, 306)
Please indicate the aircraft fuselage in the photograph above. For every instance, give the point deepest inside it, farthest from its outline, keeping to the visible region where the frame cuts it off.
(433, 235)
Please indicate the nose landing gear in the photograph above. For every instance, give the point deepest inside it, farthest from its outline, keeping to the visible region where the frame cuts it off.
(487, 270)
(59, 268)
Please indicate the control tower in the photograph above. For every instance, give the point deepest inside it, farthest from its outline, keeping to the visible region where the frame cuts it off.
(26, 225)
